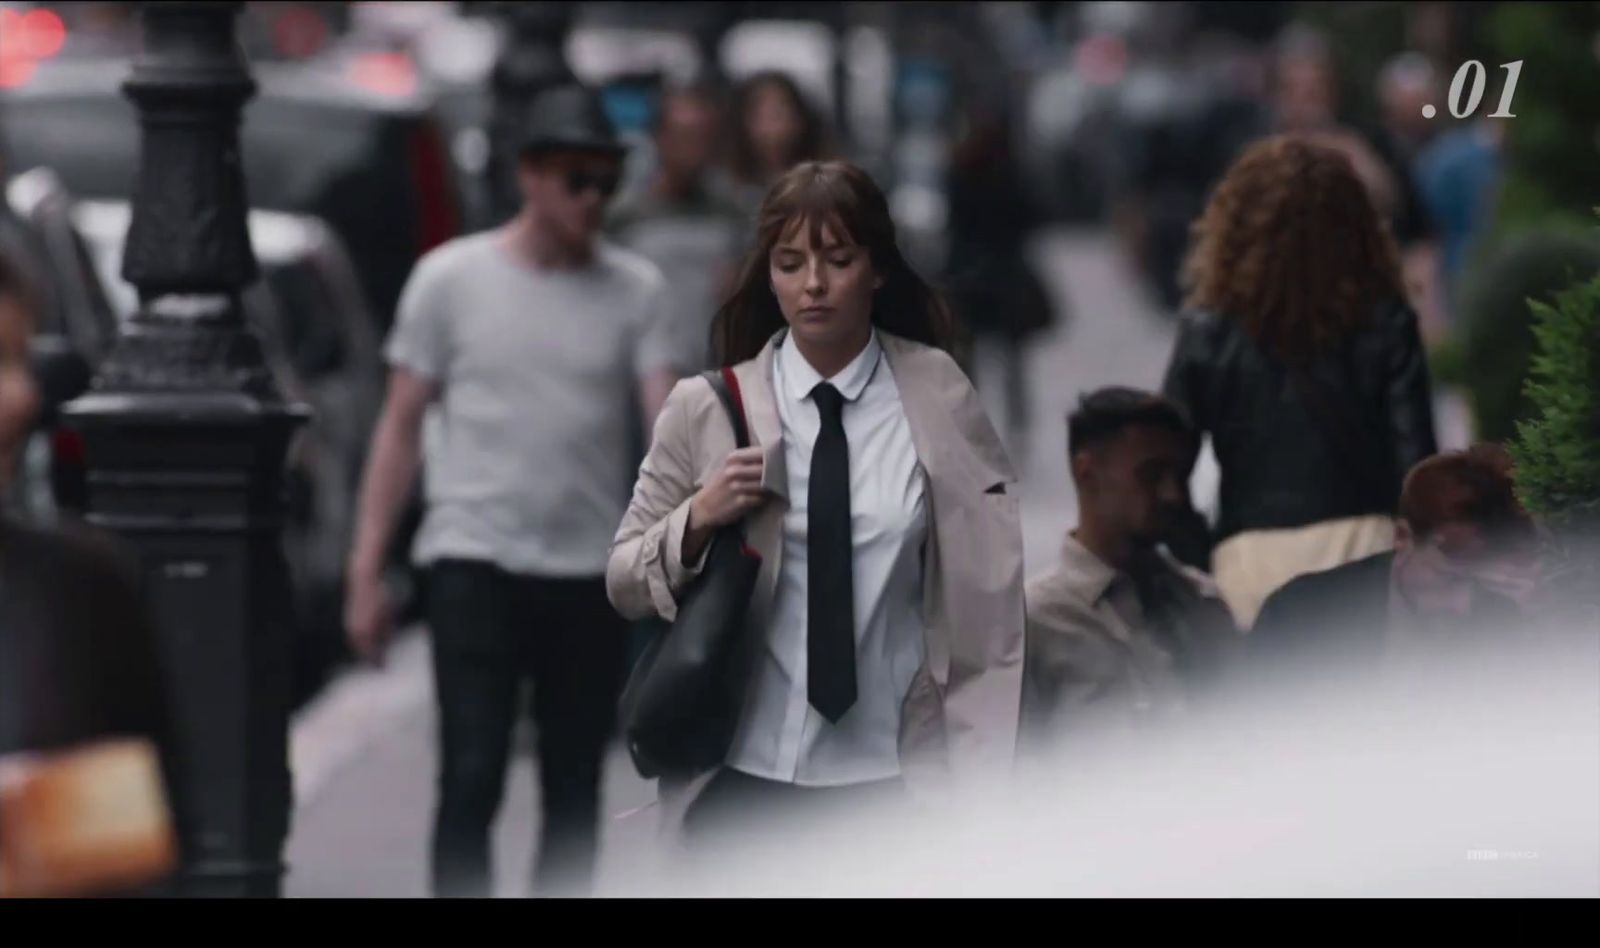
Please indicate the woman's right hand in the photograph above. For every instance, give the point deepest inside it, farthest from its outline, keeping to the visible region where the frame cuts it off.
(732, 492)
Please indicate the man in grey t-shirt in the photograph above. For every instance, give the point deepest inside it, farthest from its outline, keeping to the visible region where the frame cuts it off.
(530, 343)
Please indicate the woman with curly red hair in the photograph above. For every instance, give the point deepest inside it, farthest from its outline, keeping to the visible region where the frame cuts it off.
(1300, 357)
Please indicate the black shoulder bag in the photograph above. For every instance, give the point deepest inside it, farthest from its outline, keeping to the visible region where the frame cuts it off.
(682, 703)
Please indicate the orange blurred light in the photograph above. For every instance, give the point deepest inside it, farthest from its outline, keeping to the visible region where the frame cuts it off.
(10, 34)
(43, 33)
(384, 73)
(15, 72)
(25, 40)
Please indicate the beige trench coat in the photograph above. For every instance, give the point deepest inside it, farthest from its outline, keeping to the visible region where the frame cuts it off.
(960, 718)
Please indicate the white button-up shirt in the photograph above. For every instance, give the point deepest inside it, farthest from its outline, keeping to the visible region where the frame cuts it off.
(781, 737)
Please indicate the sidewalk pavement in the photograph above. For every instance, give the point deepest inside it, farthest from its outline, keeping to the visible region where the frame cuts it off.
(364, 761)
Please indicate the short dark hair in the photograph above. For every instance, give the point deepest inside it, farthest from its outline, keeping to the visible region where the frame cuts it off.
(1105, 413)
(1475, 485)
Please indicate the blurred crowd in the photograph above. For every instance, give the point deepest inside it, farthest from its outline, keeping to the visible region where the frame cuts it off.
(625, 157)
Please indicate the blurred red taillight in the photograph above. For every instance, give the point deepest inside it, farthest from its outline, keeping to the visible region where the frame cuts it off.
(69, 477)
(66, 448)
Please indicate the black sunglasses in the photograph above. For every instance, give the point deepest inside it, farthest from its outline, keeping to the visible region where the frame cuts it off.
(579, 181)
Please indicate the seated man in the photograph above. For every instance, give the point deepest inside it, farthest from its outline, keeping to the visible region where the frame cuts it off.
(1462, 574)
(1120, 633)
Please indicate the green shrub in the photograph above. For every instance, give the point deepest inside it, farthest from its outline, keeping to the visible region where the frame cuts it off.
(1552, 149)
(1492, 354)
(1558, 450)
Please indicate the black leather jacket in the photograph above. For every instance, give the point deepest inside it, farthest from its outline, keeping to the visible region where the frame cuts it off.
(1283, 464)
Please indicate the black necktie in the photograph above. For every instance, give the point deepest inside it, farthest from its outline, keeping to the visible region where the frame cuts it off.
(830, 579)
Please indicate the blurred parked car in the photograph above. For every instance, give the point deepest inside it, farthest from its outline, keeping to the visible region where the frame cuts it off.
(352, 142)
(312, 316)
(76, 326)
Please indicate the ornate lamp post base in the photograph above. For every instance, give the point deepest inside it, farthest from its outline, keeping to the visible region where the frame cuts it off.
(185, 437)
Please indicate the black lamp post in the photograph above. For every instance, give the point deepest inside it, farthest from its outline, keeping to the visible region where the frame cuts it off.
(185, 436)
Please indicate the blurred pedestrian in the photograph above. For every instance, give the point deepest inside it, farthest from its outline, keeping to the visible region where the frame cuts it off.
(84, 742)
(1464, 574)
(1407, 83)
(1300, 358)
(1174, 157)
(994, 289)
(777, 129)
(684, 220)
(531, 60)
(889, 610)
(1121, 635)
(1460, 174)
(532, 339)
(1305, 99)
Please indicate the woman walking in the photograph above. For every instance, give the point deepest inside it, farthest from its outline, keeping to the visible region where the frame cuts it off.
(1299, 356)
(888, 613)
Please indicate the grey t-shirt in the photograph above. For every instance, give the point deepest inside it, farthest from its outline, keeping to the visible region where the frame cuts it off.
(531, 459)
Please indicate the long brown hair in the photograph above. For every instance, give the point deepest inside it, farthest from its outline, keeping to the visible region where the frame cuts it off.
(838, 195)
(812, 143)
(1291, 246)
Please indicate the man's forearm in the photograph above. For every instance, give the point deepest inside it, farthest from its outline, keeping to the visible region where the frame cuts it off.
(1420, 265)
(385, 487)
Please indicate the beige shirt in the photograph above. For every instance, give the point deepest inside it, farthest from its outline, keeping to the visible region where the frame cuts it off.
(1093, 659)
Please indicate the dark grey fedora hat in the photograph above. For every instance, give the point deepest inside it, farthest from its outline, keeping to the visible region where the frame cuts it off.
(567, 117)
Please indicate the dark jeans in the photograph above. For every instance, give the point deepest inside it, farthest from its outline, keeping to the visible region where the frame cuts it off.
(492, 630)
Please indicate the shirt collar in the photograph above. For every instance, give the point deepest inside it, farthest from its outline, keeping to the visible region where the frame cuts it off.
(799, 378)
(1087, 574)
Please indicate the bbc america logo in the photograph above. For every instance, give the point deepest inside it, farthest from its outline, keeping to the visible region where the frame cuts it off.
(1495, 855)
